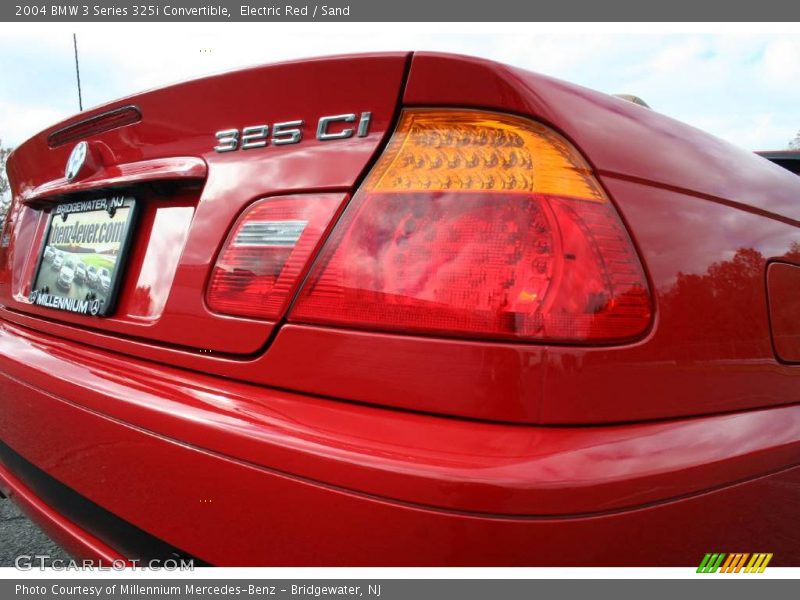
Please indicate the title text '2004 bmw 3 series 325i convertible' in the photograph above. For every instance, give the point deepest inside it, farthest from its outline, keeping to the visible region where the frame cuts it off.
(399, 309)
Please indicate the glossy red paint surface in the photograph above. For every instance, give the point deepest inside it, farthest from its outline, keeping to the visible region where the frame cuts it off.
(172, 126)
(307, 470)
(503, 452)
(458, 376)
(629, 140)
(468, 466)
(160, 169)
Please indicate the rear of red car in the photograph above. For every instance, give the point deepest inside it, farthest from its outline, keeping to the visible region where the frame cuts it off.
(399, 310)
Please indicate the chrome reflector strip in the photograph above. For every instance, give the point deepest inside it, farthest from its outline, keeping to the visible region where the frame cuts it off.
(270, 233)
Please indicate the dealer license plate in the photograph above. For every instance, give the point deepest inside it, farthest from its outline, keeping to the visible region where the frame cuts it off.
(81, 263)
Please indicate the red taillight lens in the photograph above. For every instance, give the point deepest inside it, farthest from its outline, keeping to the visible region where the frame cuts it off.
(480, 224)
(266, 253)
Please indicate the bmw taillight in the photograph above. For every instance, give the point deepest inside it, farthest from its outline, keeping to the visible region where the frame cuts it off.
(479, 224)
(266, 253)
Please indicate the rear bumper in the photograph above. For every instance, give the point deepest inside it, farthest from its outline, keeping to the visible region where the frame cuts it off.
(242, 475)
(76, 540)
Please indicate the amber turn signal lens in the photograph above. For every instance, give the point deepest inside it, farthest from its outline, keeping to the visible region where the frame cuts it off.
(471, 151)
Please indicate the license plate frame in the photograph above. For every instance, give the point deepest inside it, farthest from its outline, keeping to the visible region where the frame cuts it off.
(75, 231)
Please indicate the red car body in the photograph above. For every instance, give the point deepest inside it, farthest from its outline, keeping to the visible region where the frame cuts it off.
(168, 428)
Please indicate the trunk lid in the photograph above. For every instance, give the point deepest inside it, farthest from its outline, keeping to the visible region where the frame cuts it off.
(158, 148)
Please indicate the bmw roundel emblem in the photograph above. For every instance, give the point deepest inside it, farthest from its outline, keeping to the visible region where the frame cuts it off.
(76, 160)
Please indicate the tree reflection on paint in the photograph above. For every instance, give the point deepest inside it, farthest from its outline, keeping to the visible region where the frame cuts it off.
(721, 314)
